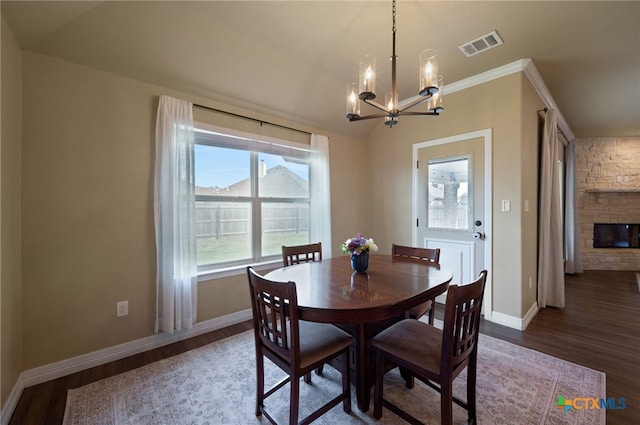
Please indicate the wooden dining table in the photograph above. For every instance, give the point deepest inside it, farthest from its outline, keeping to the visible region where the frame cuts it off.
(363, 304)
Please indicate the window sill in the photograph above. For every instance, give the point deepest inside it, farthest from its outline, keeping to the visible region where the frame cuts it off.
(237, 270)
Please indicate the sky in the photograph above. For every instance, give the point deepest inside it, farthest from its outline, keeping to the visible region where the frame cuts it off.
(223, 167)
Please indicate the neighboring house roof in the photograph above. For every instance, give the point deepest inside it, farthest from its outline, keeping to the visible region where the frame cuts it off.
(278, 181)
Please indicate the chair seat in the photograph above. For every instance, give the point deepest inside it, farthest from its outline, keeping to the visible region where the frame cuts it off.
(414, 342)
(433, 356)
(319, 340)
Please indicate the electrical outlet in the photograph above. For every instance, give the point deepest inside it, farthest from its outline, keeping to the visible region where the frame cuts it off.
(122, 308)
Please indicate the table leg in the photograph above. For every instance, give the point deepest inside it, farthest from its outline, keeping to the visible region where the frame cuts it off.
(363, 368)
(362, 373)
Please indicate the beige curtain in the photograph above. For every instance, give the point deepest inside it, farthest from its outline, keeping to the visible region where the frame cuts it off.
(550, 256)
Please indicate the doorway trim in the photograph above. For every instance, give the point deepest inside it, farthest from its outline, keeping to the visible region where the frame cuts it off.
(486, 135)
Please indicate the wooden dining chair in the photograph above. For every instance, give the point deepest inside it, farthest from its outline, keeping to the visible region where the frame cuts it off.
(297, 347)
(435, 356)
(431, 255)
(297, 254)
(301, 253)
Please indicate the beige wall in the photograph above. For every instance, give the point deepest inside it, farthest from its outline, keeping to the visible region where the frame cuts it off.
(529, 170)
(11, 364)
(88, 233)
(598, 163)
(496, 105)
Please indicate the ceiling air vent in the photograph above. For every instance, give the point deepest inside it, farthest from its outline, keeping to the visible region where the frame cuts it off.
(481, 44)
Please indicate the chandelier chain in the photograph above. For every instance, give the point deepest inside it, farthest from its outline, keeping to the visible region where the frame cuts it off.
(393, 12)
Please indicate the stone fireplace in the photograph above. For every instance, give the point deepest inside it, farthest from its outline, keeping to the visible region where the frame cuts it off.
(608, 191)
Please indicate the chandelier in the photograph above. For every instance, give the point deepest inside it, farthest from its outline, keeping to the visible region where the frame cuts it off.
(430, 87)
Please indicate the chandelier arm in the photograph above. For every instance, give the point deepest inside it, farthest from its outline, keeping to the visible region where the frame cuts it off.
(418, 101)
(376, 105)
(419, 113)
(366, 117)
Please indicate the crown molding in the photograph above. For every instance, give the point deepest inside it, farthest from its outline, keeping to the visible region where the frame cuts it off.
(492, 74)
(538, 84)
(530, 71)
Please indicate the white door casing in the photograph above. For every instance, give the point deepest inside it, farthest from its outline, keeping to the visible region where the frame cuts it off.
(458, 254)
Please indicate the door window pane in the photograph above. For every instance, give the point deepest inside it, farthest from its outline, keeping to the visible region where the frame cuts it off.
(449, 206)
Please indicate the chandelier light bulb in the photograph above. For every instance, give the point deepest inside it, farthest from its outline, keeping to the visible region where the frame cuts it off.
(367, 77)
(428, 72)
(435, 103)
(391, 102)
(353, 101)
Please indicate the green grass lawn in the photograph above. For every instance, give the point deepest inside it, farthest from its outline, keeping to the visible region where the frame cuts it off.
(212, 250)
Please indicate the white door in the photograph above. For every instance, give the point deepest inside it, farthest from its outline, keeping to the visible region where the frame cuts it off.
(452, 199)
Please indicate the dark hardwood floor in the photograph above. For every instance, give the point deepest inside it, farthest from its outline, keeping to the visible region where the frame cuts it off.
(599, 328)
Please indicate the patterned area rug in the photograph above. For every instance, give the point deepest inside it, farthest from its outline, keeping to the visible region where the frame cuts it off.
(215, 385)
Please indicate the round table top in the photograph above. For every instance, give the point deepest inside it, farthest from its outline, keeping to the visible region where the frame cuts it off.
(331, 291)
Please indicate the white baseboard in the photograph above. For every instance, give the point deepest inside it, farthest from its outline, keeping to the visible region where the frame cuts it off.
(515, 322)
(533, 310)
(66, 367)
(12, 402)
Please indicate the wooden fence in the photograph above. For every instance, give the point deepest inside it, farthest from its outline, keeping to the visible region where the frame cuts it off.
(226, 219)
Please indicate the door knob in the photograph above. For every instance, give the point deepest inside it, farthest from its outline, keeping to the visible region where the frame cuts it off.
(478, 235)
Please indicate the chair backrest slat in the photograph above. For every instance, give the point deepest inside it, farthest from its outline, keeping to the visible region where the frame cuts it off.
(301, 253)
(462, 322)
(428, 254)
(275, 315)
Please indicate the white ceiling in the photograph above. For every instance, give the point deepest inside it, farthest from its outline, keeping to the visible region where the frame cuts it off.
(294, 59)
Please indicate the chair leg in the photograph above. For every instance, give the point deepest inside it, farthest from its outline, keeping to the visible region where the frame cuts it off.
(294, 400)
(471, 391)
(307, 377)
(259, 384)
(346, 382)
(378, 392)
(432, 312)
(409, 380)
(446, 403)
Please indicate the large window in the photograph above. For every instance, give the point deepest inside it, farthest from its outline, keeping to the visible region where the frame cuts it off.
(252, 197)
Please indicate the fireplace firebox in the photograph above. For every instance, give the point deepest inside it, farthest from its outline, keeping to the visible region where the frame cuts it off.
(616, 235)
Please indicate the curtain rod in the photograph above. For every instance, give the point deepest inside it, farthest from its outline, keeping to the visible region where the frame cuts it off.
(250, 118)
(566, 140)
